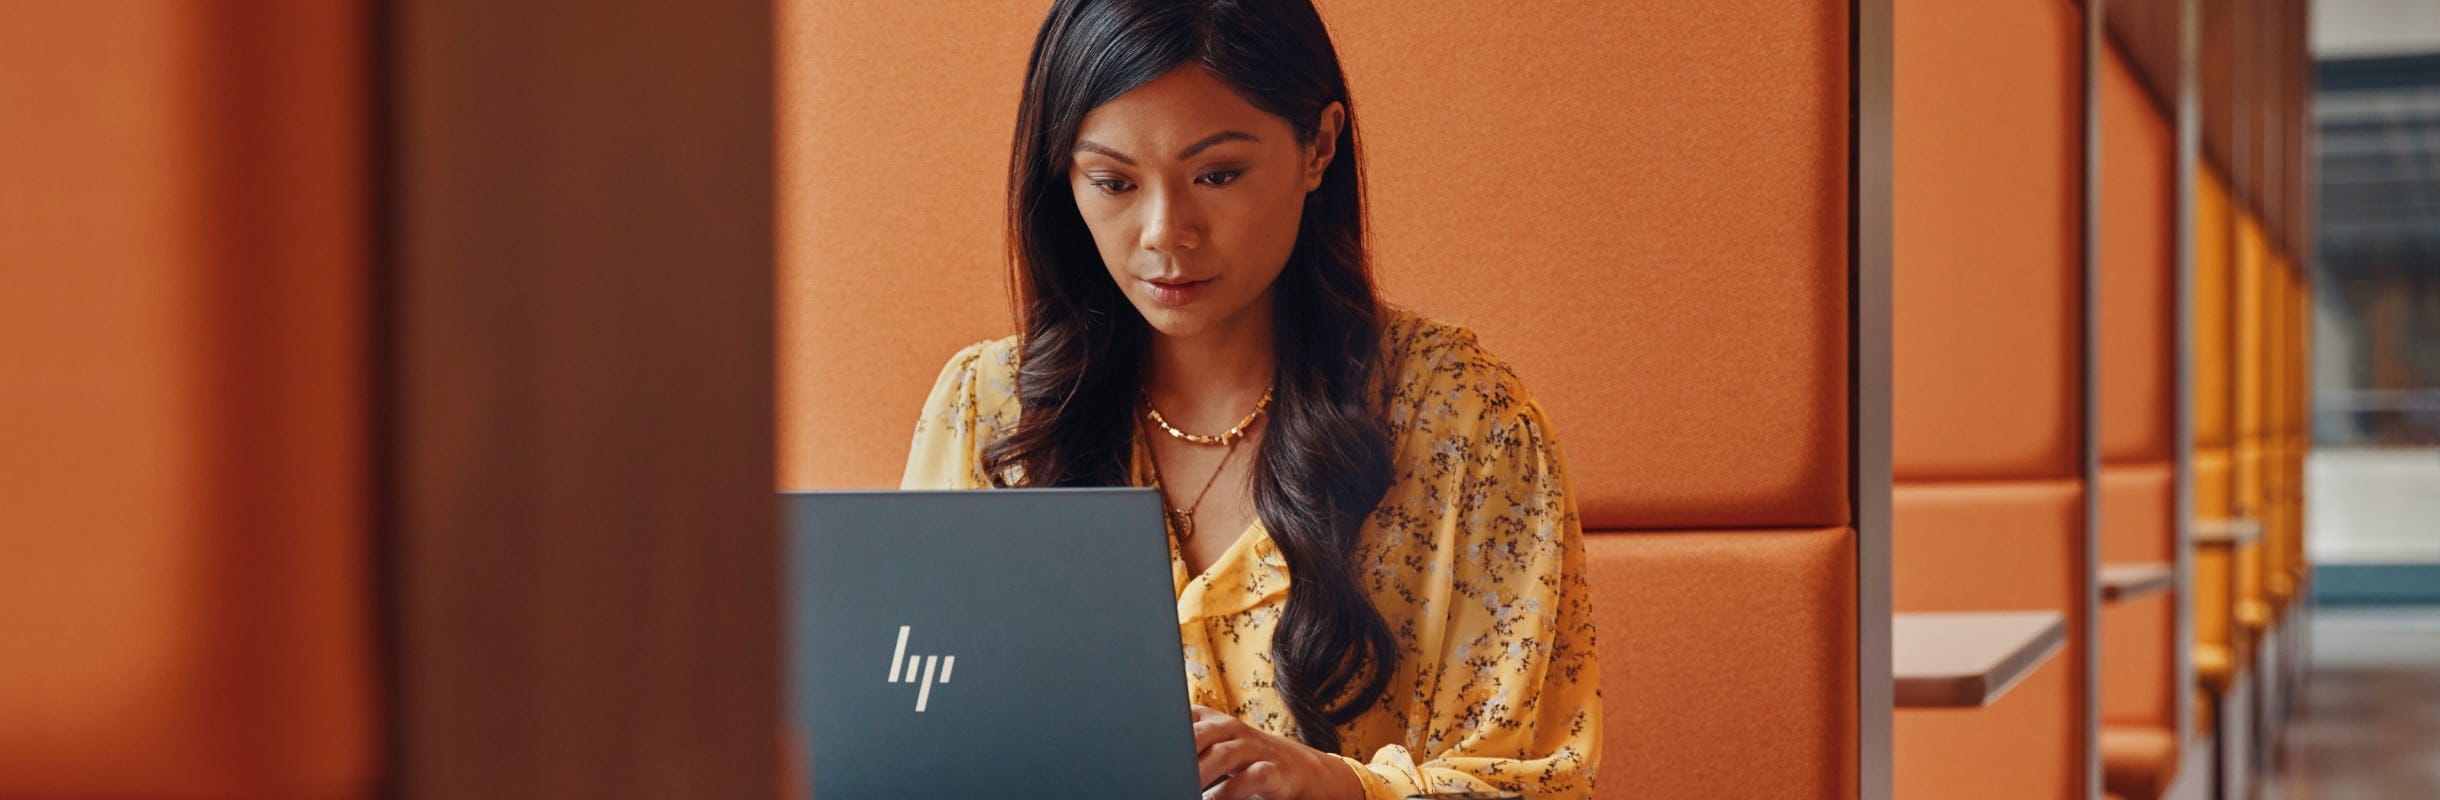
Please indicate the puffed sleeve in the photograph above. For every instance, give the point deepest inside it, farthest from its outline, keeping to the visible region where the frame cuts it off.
(957, 417)
(1514, 697)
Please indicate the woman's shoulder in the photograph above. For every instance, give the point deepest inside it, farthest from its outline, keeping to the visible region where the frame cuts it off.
(1441, 375)
(978, 384)
(988, 360)
(971, 404)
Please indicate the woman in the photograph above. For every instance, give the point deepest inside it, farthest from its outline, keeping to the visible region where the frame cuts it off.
(1379, 568)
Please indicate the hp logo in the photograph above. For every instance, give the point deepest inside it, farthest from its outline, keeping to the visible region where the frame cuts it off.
(903, 664)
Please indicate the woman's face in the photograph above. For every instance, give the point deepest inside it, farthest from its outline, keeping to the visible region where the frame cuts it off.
(1194, 196)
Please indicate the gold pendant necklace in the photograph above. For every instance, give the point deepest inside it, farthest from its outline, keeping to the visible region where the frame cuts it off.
(1224, 438)
(1183, 520)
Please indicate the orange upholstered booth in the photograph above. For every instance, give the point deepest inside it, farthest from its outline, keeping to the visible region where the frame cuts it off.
(2215, 504)
(186, 578)
(2251, 454)
(1643, 207)
(2140, 687)
(1987, 385)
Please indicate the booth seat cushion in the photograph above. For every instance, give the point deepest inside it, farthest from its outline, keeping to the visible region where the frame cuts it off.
(1994, 546)
(2138, 761)
(2138, 504)
(2138, 667)
(1727, 662)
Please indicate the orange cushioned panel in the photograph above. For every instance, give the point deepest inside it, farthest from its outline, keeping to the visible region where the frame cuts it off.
(2300, 357)
(2138, 761)
(2138, 637)
(2214, 273)
(1988, 546)
(1728, 662)
(2214, 598)
(2278, 320)
(2251, 614)
(2249, 322)
(2138, 269)
(2278, 396)
(2297, 554)
(186, 600)
(2213, 492)
(2274, 512)
(1994, 546)
(1988, 123)
(2021, 746)
(2139, 660)
(2138, 510)
(2249, 481)
(890, 227)
(1675, 293)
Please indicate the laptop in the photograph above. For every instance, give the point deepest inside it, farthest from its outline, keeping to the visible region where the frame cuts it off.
(992, 643)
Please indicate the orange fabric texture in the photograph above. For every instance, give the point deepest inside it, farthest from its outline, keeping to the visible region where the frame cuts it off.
(2019, 746)
(2138, 666)
(2138, 366)
(1987, 385)
(2138, 761)
(2229, 422)
(185, 573)
(2249, 478)
(2138, 510)
(1676, 290)
(2214, 277)
(2282, 485)
(2251, 266)
(1728, 662)
(2212, 484)
(2214, 597)
(2138, 305)
(2139, 637)
(890, 224)
(1988, 122)
(1985, 547)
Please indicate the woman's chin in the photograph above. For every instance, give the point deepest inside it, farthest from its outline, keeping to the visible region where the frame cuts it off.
(1201, 317)
(1176, 323)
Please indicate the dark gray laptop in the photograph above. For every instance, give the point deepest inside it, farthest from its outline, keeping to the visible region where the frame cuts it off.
(1000, 643)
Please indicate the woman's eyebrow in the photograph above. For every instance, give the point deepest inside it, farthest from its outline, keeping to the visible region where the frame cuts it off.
(1090, 146)
(1208, 141)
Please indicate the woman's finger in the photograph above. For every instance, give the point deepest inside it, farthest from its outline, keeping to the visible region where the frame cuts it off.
(1214, 731)
(1261, 778)
(1226, 758)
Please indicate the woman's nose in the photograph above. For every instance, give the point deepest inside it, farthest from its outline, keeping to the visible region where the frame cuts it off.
(1172, 223)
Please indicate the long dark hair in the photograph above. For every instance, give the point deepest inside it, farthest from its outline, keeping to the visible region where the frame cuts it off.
(1324, 464)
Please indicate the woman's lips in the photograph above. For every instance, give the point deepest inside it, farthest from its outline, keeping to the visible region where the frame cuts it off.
(1177, 293)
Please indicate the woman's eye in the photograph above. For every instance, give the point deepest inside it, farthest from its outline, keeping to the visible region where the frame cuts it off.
(1223, 177)
(1112, 185)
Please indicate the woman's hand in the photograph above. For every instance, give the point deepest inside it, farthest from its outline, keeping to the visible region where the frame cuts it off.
(1262, 765)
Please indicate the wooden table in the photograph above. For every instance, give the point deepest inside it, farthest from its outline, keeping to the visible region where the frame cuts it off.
(1968, 659)
(2129, 581)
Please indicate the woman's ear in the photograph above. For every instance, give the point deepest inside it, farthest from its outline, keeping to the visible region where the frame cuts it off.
(1325, 144)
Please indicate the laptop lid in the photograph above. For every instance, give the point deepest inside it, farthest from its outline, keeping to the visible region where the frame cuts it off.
(1008, 642)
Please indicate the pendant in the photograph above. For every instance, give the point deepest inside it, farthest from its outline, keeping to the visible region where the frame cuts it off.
(1183, 522)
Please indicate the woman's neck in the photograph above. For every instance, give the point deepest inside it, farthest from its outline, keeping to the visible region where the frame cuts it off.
(1208, 382)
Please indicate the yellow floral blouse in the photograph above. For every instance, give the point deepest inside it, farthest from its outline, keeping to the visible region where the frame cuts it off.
(1475, 557)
